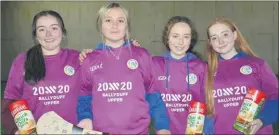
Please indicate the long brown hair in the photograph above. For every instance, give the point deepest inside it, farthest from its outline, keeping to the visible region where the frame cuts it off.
(242, 45)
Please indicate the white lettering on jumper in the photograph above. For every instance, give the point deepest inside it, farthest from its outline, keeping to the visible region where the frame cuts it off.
(115, 91)
(95, 67)
(51, 95)
(231, 96)
(162, 78)
(176, 102)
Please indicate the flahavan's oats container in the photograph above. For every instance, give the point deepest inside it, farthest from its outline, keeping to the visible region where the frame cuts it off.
(249, 110)
(196, 117)
(23, 117)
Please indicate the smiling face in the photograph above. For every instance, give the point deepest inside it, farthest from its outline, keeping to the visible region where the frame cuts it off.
(222, 39)
(49, 34)
(179, 39)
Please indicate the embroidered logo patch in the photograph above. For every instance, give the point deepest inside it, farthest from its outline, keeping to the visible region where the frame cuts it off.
(246, 70)
(192, 77)
(69, 70)
(132, 64)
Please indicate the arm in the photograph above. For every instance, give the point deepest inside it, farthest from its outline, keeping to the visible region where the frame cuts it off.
(208, 125)
(157, 107)
(269, 113)
(13, 92)
(158, 111)
(84, 107)
(7, 118)
(269, 83)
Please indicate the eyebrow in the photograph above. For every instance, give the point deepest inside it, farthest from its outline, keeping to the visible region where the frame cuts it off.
(178, 34)
(50, 25)
(111, 17)
(221, 32)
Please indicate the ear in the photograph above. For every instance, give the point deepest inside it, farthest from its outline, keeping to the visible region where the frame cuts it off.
(235, 35)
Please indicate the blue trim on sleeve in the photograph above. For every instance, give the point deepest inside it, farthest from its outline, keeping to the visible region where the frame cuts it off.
(208, 125)
(158, 111)
(84, 108)
(269, 114)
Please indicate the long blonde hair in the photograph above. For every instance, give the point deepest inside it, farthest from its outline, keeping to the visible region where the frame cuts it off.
(213, 60)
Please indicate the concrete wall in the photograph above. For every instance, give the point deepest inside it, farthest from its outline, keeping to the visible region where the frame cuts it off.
(258, 21)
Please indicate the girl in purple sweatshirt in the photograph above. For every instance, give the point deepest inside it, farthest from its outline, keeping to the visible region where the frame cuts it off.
(115, 80)
(46, 75)
(233, 68)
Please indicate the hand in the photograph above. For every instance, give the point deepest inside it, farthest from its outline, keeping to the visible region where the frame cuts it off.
(255, 126)
(135, 42)
(82, 55)
(86, 124)
(163, 132)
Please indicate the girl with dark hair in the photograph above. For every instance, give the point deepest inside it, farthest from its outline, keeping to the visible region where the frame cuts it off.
(46, 75)
(180, 74)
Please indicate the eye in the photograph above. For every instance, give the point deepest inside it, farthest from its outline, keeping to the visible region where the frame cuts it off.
(107, 20)
(175, 36)
(121, 21)
(187, 37)
(213, 38)
(54, 28)
(226, 34)
(41, 30)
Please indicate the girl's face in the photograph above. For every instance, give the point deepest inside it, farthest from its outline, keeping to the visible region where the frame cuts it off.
(222, 38)
(49, 33)
(179, 39)
(114, 25)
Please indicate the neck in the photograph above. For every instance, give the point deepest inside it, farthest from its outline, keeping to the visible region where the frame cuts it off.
(229, 54)
(114, 44)
(52, 52)
(177, 56)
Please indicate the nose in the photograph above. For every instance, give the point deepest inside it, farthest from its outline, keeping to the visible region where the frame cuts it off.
(181, 41)
(221, 41)
(114, 25)
(48, 33)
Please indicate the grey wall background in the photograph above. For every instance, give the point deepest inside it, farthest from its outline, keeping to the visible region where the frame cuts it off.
(258, 22)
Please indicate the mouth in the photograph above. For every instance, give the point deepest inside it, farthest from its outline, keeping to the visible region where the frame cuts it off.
(49, 40)
(222, 47)
(114, 32)
(178, 47)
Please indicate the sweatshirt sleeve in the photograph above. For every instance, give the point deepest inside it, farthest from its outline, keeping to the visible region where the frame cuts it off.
(269, 83)
(147, 71)
(208, 125)
(158, 111)
(157, 106)
(84, 106)
(13, 89)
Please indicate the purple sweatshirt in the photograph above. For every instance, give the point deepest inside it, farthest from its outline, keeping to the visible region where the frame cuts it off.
(232, 80)
(176, 92)
(57, 92)
(118, 88)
